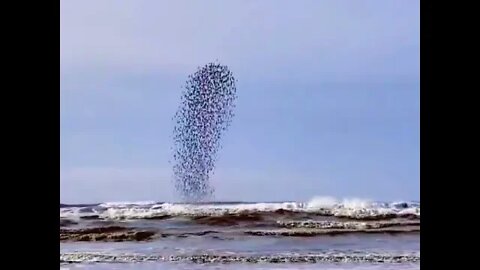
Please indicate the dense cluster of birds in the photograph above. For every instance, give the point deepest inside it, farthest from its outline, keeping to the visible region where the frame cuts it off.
(206, 110)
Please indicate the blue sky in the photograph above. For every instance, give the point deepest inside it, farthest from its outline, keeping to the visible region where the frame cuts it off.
(328, 97)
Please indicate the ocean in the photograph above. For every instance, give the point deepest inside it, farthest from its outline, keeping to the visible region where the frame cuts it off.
(322, 233)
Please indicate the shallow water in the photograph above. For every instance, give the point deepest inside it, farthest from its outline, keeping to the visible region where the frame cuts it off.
(217, 236)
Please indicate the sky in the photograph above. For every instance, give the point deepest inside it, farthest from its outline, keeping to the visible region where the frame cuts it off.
(328, 97)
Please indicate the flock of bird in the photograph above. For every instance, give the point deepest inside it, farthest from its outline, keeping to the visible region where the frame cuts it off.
(205, 113)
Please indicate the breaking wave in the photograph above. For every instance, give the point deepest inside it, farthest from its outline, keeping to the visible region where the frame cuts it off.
(320, 206)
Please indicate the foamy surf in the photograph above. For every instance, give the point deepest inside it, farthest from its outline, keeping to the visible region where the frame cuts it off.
(323, 231)
(328, 206)
(353, 257)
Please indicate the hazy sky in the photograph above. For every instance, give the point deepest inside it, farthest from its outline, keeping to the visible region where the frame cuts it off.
(328, 97)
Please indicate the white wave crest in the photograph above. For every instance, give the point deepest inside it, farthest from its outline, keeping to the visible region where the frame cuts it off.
(126, 204)
(322, 203)
(352, 208)
(326, 202)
